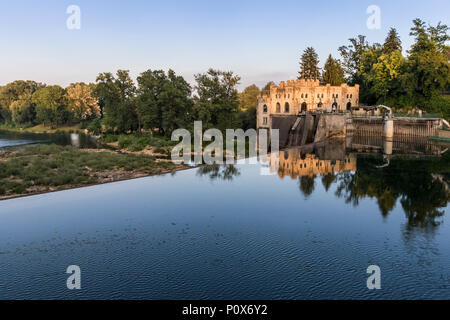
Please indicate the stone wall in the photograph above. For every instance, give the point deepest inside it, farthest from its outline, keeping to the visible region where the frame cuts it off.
(331, 125)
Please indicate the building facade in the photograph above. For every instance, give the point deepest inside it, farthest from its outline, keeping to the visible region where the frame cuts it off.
(295, 96)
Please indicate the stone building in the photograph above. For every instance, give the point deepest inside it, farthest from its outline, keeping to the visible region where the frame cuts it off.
(295, 96)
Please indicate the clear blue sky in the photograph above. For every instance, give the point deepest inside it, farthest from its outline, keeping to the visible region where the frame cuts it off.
(258, 40)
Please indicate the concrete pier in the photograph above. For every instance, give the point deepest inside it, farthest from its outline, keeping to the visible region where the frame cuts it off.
(388, 129)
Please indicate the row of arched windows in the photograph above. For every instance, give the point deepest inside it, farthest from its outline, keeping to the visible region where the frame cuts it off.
(279, 95)
(304, 107)
(305, 95)
(278, 108)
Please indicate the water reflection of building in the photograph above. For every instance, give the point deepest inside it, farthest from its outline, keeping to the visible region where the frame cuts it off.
(295, 164)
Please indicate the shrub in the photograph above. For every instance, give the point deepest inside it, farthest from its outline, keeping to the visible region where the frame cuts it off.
(95, 127)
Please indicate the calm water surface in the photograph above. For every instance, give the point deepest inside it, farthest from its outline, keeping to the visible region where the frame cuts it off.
(305, 230)
(13, 139)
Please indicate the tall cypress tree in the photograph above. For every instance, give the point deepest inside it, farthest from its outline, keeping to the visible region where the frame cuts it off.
(309, 68)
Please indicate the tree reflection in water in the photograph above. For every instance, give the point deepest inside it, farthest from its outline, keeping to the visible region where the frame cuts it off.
(307, 185)
(328, 179)
(219, 172)
(419, 185)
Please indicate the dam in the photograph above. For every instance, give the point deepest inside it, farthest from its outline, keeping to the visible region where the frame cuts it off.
(313, 127)
(304, 111)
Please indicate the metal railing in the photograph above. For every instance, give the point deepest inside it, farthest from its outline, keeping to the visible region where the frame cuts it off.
(417, 115)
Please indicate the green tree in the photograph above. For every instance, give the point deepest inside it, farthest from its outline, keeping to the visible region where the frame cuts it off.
(177, 102)
(309, 65)
(266, 89)
(51, 106)
(163, 101)
(333, 73)
(427, 70)
(392, 42)
(352, 56)
(117, 98)
(248, 100)
(149, 108)
(387, 71)
(249, 97)
(217, 99)
(16, 101)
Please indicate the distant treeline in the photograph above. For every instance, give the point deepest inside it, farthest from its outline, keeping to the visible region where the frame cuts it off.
(162, 101)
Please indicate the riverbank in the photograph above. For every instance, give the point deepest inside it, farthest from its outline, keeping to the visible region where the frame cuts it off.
(47, 168)
(44, 129)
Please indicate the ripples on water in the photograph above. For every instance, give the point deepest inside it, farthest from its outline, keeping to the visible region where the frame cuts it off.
(308, 231)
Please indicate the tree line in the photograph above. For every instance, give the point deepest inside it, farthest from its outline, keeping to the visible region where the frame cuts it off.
(420, 79)
(30, 102)
(160, 101)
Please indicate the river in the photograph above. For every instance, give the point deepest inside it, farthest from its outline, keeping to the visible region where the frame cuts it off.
(14, 139)
(295, 226)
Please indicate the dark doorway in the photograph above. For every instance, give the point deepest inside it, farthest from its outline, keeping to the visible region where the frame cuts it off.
(304, 107)
(349, 106)
(334, 106)
(319, 105)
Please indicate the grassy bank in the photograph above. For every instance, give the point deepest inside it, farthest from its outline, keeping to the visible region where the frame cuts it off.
(139, 141)
(45, 168)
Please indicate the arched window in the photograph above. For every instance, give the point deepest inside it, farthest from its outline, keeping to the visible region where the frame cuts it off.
(304, 106)
(265, 109)
(306, 95)
(302, 95)
(322, 95)
(318, 95)
(351, 96)
(286, 107)
(278, 107)
(337, 96)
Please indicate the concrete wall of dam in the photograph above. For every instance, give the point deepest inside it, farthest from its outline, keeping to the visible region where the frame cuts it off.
(316, 127)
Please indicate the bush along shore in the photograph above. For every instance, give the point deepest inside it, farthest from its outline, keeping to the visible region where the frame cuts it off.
(46, 168)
